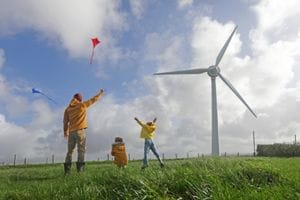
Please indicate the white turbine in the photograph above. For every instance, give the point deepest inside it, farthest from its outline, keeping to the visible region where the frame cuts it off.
(214, 71)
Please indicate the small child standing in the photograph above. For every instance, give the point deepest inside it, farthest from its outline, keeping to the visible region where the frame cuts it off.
(119, 152)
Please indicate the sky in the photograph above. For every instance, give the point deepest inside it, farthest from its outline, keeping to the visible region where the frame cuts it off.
(47, 45)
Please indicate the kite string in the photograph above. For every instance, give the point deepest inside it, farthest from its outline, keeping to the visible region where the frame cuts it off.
(91, 59)
(48, 97)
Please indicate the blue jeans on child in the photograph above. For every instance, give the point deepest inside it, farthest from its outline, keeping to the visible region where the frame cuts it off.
(149, 145)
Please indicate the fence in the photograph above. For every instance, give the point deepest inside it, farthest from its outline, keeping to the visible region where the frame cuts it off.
(107, 157)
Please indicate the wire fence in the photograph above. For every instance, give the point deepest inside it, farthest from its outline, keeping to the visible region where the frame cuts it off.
(14, 160)
(53, 159)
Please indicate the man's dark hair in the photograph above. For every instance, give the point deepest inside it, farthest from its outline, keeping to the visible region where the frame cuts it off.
(78, 96)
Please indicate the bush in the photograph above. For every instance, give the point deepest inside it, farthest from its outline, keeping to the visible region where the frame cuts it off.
(279, 150)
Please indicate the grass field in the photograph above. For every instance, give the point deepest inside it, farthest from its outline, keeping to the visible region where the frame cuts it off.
(204, 178)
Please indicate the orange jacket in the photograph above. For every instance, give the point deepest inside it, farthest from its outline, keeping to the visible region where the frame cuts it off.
(119, 152)
(75, 114)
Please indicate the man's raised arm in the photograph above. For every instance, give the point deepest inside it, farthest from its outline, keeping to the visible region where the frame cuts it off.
(94, 99)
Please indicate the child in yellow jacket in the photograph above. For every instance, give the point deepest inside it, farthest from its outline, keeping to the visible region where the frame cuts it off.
(147, 133)
(119, 152)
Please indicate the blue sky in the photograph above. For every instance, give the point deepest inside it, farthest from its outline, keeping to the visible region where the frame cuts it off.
(47, 45)
(46, 64)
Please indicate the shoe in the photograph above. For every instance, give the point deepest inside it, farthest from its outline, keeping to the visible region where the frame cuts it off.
(162, 165)
(144, 167)
(80, 166)
(67, 168)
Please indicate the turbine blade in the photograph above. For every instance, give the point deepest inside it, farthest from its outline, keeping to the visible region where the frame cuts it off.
(221, 53)
(236, 93)
(189, 71)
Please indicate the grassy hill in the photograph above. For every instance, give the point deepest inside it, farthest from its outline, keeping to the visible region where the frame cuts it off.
(204, 178)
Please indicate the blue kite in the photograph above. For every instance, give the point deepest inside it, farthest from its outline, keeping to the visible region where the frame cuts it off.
(34, 90)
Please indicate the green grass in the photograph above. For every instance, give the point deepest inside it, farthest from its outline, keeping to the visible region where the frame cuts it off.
(204, 178)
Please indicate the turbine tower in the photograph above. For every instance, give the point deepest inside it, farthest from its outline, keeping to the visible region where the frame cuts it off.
(214, 71)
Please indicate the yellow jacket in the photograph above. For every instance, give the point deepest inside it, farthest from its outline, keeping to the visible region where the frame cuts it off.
(75, 114)
(119, 152)
(148, 131)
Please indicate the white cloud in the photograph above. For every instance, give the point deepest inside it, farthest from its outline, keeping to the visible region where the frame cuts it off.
(69, 24)
(213, 36)
(44, 116)
(2, 58)
(165, 50)
(137, 7)
(40, 139)
(276, 52)
(277, 20)
(14, 139)
(184, 3)
(25, 141)
(15, 105)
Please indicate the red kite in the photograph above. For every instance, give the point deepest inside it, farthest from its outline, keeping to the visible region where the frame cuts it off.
(95, 42)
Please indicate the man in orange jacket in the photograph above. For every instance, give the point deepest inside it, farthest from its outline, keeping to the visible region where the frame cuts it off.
(75, 123)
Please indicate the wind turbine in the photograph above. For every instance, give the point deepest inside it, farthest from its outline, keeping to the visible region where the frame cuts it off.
(214, 71)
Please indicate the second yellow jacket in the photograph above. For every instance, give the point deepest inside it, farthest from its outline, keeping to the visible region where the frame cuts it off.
(148, 131)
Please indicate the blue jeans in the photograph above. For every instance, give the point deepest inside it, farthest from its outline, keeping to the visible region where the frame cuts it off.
(149, 145)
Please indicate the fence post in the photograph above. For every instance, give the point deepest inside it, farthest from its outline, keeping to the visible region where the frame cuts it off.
(25, 161)
(198, 155)
(129, 156)
(176, 155)
(238, 154)
(108, 156)
(225, 154)
(254, 154)
(15, 158)
(163, 156)
(52, 158)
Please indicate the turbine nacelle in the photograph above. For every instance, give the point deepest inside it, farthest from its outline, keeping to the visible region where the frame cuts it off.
(213, 71)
